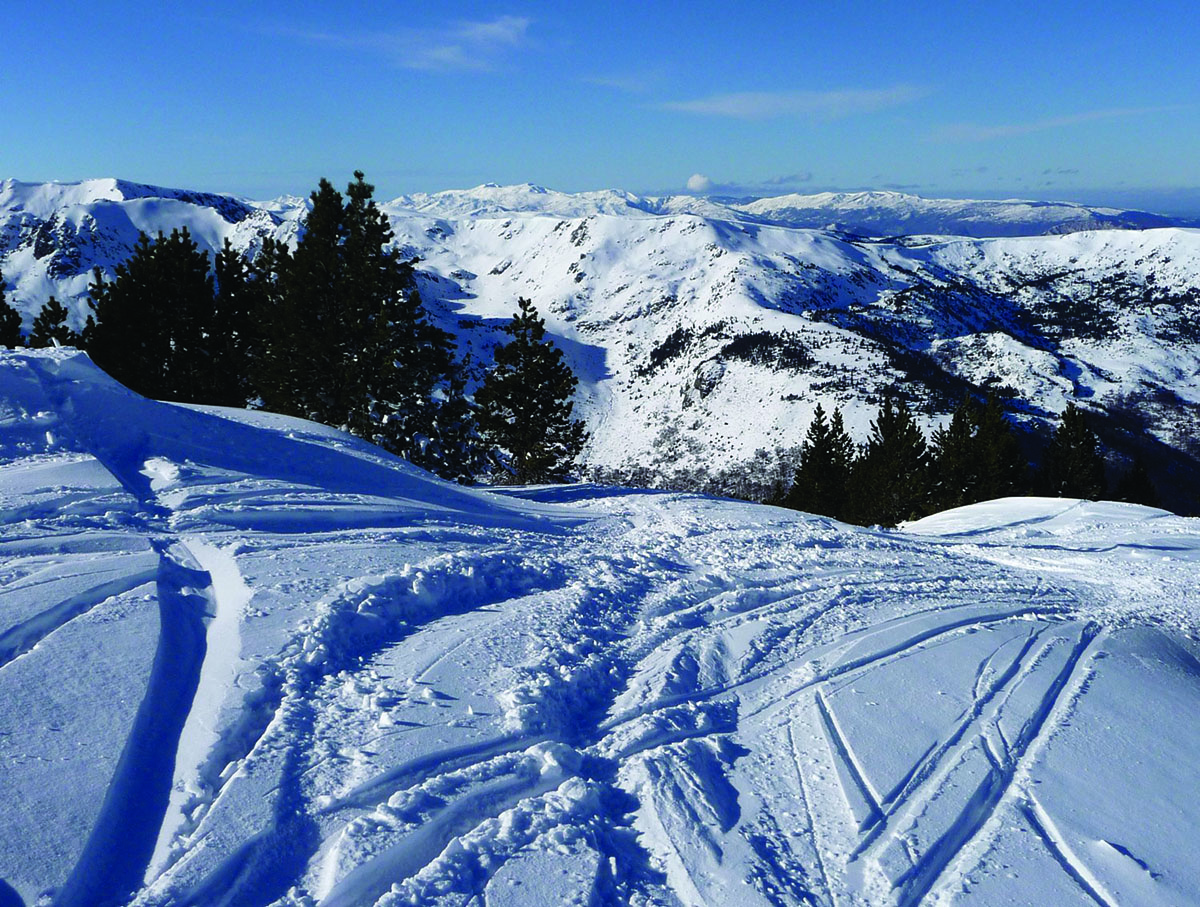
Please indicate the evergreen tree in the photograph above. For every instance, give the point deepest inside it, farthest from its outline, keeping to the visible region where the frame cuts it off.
(312, 352)
(10, 322)
(976, 457)
(235, 339)
(1136, 487)
(957, 462)
(419, 382)
(50, 327)
(156, 320)
(526, 403)
(1073, 467)
(826, 455)
(455, 450)
(347, 339)
(1003, 469)
(890, 480)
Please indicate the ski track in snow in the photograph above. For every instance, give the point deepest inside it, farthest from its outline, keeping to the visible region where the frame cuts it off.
(674, 699)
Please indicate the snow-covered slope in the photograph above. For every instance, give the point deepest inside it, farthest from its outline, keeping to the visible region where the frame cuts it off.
(52, 235)
(248, 660)
(704, 337)
(874, 213)
(885, 213)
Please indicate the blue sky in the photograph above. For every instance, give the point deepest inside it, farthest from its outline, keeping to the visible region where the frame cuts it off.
(1095, 101)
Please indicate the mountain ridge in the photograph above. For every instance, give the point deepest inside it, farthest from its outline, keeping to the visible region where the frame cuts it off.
(872, 212)
(704, 343)
(876, 212)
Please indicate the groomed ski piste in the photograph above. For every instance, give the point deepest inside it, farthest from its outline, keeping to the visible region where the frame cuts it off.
(248, 660)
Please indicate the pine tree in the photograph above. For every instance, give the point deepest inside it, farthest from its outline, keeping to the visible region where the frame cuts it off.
(1003, 469)
(957, 463)
(236, 339)
(1073, 466)
(890, 480)
(976, 457)
(418, 381)
(454, 448)
(310, 368)
(1135, 485)
(50, 327)
(348, 341)
(526, 403)
(826, 455)
(10, 322)
(156, 320)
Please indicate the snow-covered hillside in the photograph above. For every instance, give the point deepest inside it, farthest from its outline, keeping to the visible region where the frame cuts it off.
(248, 660)
(886, 213)
(705, 336)
(875, 213)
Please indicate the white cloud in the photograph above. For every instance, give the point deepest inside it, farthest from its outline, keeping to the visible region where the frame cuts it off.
(700, 184)
(504, 30)
(976, 132)
(638, 81)
(804, 176)
(463, 46)
(761, 105)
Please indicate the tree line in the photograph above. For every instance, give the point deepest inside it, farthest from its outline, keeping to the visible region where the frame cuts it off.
(900, 474)
(333, 331)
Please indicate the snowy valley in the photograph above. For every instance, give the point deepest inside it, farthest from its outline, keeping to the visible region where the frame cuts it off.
(705, 332)
(248, 660)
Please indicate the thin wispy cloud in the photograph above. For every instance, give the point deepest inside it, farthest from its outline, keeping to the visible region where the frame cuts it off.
(637, 80)
(804, 176)
(462, 46)
(763, 105)
(699, 184)
(976, 132)
(632, 84)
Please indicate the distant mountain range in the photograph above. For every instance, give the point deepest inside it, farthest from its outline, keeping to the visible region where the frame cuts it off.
(705, 331)
(876, 213)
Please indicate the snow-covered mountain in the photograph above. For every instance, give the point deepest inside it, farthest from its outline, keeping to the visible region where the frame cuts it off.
(248, 660)
(880, 213)
(875, 213)
(705, 335)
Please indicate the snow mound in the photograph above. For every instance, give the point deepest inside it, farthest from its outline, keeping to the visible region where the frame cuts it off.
(1017, 514)
(245, 659)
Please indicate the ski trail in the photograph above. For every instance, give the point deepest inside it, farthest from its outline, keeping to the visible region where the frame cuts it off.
(1057, 844)
(378, 789)
(845, 755)
(229, 595)
(819, 612)
(930, 633)
(358, 620)
(372, 879)
(886, 654)
(16, 641)
(926, 768)
(981, 805)
(114, 860)
(808, 811)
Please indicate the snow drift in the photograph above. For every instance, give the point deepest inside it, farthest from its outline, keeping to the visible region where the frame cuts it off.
(247, 660)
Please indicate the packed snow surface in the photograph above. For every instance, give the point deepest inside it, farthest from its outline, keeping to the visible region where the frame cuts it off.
(246, 660)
